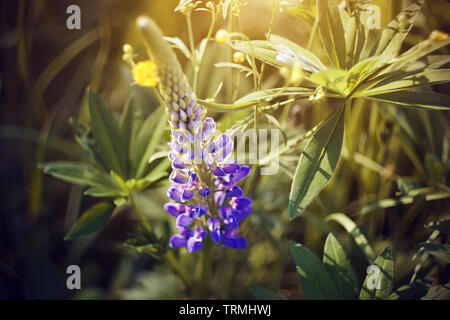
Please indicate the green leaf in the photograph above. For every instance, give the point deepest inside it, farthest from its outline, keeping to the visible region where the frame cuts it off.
(314, 278)
(385, 263)
(107, 136)
(441, 226)
(411, 291)
(105, 192)
(353, 230)
(317, 163)
(280, 52)
(270, 94)
(388, 203)
(77, 173)
(129, 128)
(395, 33)
(262, 50)
(332, 32)
(346, 82)
(179, 44)
(424, 100)
(438, 293)
(438, 250)
(399, 83)
(307, 57)
(337, 265)
(305, 14)
(225, 108)
(91, 221)
(333, 79)
(237, 66)
(262, 293)
(147, 141)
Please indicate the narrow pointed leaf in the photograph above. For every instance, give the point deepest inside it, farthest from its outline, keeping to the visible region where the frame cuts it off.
(353, 230)
(337, 265)
(438, 250)
(331, 32)
(423, 100)
(317, 163)
(378, 283)
(77, 173)
(442, 226)
(91, 221)
(107, 135)
(314, 278)
(395, 33)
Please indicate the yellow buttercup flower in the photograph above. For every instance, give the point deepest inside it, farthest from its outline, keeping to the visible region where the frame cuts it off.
(144, 73)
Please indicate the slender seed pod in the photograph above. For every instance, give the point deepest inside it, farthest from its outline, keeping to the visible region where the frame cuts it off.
(181, 106)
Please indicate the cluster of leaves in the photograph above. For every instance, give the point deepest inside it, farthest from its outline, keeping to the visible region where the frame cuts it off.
(334, 278)
(361, 67)
(121, 160)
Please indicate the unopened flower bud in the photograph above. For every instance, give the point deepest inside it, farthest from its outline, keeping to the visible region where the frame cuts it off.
(239, 57)
(221, 36)
(438, 36)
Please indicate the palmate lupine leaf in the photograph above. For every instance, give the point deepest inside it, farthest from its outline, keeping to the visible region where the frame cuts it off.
(317, 163)
(314, 278)
(337, 265)
(385, 263)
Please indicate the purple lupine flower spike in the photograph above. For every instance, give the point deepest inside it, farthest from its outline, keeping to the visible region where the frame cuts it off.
(205, 194)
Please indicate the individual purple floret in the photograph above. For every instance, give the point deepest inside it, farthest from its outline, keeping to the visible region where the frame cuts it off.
(203, 176)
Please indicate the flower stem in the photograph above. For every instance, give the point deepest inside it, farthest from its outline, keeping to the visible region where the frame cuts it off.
(206, 267)
(173, 262)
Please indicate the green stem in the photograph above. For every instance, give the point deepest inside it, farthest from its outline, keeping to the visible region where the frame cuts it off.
(206, 267)
(313, 32)
(173, 262)
(170, 258)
